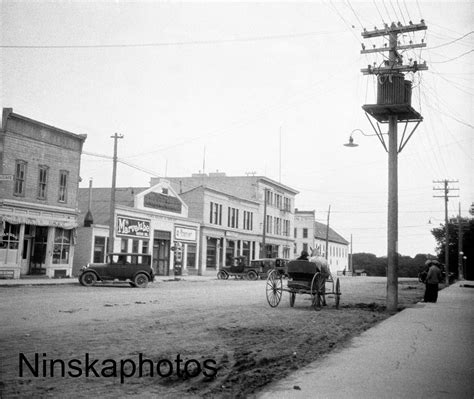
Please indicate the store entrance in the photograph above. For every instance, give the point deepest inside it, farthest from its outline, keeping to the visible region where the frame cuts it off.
(161, 252)
(38, 250)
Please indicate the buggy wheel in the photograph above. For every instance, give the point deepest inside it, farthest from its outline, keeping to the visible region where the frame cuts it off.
(222, 275)
(292, 299)
(338, 293)
(274, 289)
(252, 275)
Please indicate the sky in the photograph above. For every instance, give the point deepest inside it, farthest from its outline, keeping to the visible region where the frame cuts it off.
(271, 88)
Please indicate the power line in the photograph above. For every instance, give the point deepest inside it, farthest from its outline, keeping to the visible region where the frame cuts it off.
(178, 43)
(452, 59)
(453, 41)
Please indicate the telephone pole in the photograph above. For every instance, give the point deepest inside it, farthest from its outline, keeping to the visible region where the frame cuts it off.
(112, 194)
(393, 106)
(446, 197)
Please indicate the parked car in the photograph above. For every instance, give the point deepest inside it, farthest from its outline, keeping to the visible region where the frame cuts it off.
(265, 265)
(132, 267)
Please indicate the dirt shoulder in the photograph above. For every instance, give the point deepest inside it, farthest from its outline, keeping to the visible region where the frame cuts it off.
(223, 333)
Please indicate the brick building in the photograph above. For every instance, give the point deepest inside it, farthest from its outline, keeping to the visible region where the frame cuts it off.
(39, 177)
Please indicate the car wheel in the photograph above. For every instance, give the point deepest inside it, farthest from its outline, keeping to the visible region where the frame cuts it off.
(140, 280)
(88, 279)
(252, 275)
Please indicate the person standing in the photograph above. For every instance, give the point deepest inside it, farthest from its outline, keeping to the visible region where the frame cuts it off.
(433, 278)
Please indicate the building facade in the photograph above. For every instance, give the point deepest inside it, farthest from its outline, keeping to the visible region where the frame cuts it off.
(147, 220)
(310, 234)
(229, 226)
(39, 178)
(273, 223)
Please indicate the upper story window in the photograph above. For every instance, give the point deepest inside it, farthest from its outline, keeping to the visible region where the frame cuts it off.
(305, 232)
(248, 220)
(278, 201)
(287, 204)
(233, 217)
(215, 213)
(269, 197)
(296, 235)
(42, 181)
(63, 181)
(20, 178)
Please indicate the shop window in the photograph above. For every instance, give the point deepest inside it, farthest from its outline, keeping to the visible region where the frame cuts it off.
(62, 244)
(191, 256)
(145, 245)
(100, 249)
(20, 177)
(124, 245)
(63, 181)
(10, 236)
(42, 182)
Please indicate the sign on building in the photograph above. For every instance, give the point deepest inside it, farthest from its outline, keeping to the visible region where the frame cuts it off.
(131, 227)
(162, 202)
(185, 234)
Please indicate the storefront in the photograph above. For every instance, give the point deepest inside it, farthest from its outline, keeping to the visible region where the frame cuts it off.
(35, 242)
(157, 224)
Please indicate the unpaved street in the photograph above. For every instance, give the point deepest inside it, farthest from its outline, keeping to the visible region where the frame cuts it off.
(222, 332)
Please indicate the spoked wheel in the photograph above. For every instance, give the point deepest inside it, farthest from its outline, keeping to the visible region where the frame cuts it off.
(222, 275)
(292, 299)
(274, 289)
(252, 275)
(338, 293)
(316, 297)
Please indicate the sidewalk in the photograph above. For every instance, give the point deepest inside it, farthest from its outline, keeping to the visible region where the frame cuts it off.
(73, 280)
(422, 352)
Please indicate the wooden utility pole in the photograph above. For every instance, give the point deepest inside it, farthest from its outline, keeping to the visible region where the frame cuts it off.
(112, 195)
(327, 233)
(393, 106)
(446, 197)
(264, 233)
(460, 246)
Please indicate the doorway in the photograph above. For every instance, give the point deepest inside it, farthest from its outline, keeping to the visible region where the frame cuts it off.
(38, 251)
(161, 252)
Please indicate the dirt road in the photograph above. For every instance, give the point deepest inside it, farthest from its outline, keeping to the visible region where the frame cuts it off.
(216, 338)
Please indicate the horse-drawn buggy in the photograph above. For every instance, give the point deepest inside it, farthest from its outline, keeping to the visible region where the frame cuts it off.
(310, 277)
(240, 268)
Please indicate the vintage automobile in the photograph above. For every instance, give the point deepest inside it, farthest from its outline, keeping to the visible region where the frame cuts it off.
(265, 265)
(240, 268)
(132, 267)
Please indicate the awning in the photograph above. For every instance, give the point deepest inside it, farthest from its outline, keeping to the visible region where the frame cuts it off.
(39, 221)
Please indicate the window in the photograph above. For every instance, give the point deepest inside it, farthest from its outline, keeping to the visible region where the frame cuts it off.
(287, 204)
(62, 244)
(20, 177)
(286, 228)
(42, 182)
(277, 226)
(268, 227)
(215, 213)
(295, 233)
(278, 201)
(305, 232)
(10, 237)
(100, 249)
(269, 197)
(145, 247)
(248, 220)
(305, 247)
(191, 256)
(63, 177)
(124, 245)
(233, 217)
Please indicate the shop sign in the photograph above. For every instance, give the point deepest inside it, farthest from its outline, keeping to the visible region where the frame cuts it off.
(162, 202)
(182, 233)
(132, 227)
(6, 177)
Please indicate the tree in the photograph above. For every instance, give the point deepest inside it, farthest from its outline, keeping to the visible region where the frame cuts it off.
(439, 234)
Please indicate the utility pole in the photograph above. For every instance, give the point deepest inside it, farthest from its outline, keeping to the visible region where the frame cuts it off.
(446, 197)
(327, 233)
(112, 194)
(460, 246)
(262, 250)
(393, 106)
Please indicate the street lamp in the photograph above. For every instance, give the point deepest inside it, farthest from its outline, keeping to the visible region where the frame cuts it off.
(351, 139)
